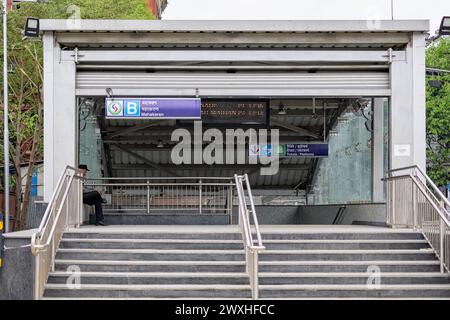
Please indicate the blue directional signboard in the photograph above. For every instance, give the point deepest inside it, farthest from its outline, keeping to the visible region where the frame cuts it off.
(306, 150)
(153, 108)
(313, 150)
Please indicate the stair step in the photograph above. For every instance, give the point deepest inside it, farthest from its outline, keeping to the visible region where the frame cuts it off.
(152, 277)
(355, 290)
(345, 255)
(154, 235)
(168, 244)
(310, 278)
(151, 266)
(156, 291)
(150, 254)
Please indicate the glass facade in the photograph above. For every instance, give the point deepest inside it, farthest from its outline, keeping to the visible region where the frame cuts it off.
(345, 176)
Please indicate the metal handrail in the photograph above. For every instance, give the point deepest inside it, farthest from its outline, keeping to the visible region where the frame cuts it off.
(251, 249)
(45, 241)
(155, 195)
(439, 237)
(436, 193)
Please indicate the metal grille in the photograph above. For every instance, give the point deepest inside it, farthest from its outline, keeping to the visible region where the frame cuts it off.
(207, 196)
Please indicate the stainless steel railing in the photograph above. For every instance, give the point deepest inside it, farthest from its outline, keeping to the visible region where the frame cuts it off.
(414, 201)
(247, 213)
(63, 210)
(185, 195)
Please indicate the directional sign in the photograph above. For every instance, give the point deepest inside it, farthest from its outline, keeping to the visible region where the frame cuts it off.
(153, 108)
(314, 150)
(306, 150)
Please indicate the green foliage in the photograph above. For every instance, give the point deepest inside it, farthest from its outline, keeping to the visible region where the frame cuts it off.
(25, 63)
(25, 56)
(438, 114)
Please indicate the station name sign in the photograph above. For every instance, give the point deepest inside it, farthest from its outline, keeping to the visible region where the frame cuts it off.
(153, 108)
(314, 150)
(235, 112)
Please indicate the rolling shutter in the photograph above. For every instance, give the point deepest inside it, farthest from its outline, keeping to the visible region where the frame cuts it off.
(265, 84)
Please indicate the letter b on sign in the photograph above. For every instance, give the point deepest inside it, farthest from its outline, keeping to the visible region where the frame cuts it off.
(132, 108)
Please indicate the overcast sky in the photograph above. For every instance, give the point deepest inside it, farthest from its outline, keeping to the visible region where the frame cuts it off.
(433, 10)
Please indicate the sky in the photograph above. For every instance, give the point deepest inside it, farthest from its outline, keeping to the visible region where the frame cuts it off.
(432, 10)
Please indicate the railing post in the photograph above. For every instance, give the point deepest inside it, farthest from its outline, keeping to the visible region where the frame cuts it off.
(255, 275)
(200, 195)
(230, 204)
(37, 275)
(80, 202)
(393, 204)
(414, 206)
(442, 236)
(148, 197)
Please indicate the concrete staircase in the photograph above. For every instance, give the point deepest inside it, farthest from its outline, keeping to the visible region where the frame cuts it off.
(345, 263)
(208, 262)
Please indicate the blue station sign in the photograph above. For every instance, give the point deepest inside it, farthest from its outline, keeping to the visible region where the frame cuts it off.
(153, 108)
(306, 150)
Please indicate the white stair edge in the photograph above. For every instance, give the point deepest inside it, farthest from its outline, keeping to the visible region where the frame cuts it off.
(143, 262)
(161, 251)
(146, 298)
(350, 251)
(151, 274)
(137, 287)
(347, 262)
(241, 251)
(90, 240)
(357, 298)
(331, 241)
(352, 274)
(364, 287)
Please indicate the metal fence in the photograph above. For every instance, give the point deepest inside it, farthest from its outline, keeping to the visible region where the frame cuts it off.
(205, 196)
(412, 203)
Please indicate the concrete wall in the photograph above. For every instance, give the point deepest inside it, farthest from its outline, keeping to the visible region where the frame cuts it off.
(373, 214)
(407, 121)
(17, 272)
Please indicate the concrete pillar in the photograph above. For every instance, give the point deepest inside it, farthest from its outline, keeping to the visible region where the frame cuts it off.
(378, 150)
(60, 116)
(407, 118)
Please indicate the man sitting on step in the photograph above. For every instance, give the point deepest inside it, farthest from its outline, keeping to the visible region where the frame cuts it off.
(93, 198)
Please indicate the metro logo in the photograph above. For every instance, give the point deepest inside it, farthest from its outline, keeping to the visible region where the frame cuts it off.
(114, 108)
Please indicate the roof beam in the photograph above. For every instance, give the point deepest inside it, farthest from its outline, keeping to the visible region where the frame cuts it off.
(296, 129)
(145, 160)
(279, 55)
(72, 39)
(127, 130)
(235, 25)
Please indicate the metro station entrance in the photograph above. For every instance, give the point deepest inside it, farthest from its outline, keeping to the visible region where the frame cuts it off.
(327, 150)
(346, 99)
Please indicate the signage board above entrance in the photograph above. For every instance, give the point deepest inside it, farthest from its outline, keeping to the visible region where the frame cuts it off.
(153, 108)
(245, 112)
(313, 150)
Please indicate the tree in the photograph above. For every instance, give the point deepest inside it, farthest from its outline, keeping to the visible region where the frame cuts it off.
(438, 114)
(26, 79)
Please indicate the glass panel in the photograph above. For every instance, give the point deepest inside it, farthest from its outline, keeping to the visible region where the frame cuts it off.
(346, 175)
(90, 138)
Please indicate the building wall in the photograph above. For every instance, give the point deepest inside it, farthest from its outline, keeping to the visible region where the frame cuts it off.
(157, 7)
